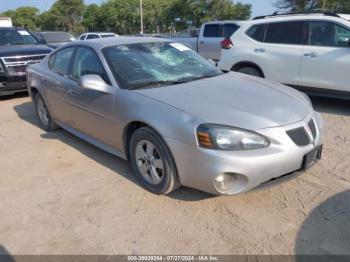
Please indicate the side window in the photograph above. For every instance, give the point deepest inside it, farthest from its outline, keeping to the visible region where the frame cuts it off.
(324, 33)
(92, 37)
(212, 31)
(87, 62)
(82, 37)
(257, 32)
(284, 33)
(230, 29)
(60, 62)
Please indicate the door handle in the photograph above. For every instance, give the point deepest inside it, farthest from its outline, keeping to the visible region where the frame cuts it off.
(259, 50)
(201, 42)
(311, 55)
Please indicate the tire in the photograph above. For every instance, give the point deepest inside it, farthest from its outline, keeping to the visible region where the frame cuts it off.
(152, 162)
(250, 71)
(43, 114)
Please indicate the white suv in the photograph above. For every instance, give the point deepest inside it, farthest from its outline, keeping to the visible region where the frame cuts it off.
(308, 51)
(88, 36)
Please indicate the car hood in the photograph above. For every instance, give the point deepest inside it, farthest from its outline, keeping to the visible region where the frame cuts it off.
(18, 50)
(236, 100)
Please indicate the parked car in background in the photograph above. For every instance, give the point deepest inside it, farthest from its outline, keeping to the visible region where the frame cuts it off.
(54, 39)
(5, 22)
(345, 16)
(18, 48)
(175, 116)
(308, 51)
(207, 43)
(88, 36)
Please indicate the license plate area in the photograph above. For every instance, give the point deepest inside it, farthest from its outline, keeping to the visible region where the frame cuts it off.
(312, 158)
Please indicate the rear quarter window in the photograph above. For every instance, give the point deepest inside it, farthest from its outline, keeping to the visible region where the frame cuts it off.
(257, 32)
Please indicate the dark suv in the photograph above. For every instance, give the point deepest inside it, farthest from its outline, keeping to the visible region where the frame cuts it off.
(18, 48)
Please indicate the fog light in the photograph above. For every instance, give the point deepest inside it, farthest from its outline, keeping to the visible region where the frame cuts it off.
(229, 183)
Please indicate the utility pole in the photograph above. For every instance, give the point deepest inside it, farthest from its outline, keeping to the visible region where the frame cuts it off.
(141, 17)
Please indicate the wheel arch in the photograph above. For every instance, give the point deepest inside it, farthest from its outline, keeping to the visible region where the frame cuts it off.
(243, 64)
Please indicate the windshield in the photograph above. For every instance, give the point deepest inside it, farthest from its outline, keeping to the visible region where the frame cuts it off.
(157, 64)
(16, 36)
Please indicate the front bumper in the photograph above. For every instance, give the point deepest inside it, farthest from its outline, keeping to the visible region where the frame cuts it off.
(198, 167)
(11, 84)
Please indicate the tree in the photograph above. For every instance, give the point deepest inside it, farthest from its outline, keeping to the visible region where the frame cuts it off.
(92, 18)
(23, 17)
(120, 16)
(184, 13)
(65, 15)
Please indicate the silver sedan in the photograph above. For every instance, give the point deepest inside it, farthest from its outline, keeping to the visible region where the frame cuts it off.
(174, 116)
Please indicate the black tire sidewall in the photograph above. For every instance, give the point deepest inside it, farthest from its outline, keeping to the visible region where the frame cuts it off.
(169, 181)
(256, 71)
(50, 124)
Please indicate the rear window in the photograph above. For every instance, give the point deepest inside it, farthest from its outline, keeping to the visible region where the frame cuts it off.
(212, 31)
(257, 32)
(284, 33)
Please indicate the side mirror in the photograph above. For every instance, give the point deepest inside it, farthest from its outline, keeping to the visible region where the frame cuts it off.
(95, 82)
(211, 61)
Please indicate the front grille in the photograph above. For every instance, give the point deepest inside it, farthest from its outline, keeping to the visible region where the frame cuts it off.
(23, 58)
(17, 65)
(17, 69)
(299, 136)
(312, 127)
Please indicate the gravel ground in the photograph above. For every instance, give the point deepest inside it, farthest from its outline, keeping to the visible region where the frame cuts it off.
(60, 195)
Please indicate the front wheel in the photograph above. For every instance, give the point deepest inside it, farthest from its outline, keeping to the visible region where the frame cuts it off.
(152, 162)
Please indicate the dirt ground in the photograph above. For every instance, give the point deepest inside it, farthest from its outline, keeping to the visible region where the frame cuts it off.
(60, 195)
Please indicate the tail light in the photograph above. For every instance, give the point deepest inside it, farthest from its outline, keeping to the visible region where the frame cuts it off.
(226, 43)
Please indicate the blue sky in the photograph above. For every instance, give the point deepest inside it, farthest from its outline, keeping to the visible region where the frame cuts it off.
(260, 7)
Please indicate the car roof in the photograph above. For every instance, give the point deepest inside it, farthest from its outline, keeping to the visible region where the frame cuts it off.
(295, 17)
(122, 40)
(224, 21)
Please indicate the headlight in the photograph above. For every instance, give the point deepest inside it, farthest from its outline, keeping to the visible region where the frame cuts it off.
(229, 138)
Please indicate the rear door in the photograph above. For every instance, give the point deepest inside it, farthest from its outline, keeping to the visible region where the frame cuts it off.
(279, 53)
(57, 85)
(209, 43)
(326, 60)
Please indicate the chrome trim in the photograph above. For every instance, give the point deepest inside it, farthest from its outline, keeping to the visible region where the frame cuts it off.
(27, 59)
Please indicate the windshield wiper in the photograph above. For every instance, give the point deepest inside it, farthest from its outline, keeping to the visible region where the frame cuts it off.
(157, 84)
(170, 82)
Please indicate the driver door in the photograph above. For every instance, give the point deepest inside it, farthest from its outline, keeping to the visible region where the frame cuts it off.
(93, 111)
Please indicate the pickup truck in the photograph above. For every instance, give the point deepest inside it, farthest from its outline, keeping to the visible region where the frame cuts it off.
(208, 43)
(18, 48)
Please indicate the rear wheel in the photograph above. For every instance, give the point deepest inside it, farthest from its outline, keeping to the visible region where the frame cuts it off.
(43, 114)
(250, 71)
(152, 162)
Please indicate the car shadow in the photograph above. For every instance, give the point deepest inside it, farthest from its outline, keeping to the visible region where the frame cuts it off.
(326, 231)
(25, 111)
(331, 105)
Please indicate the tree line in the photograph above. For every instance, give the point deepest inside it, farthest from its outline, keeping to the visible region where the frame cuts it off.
(123, 16)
